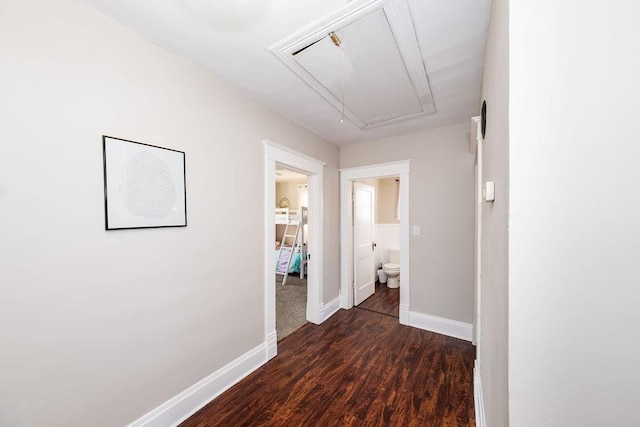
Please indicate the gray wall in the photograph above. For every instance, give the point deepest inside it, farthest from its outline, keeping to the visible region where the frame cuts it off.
(493, 346)
(100, 327)
(387, 201)
(574, 239)
(441, 202)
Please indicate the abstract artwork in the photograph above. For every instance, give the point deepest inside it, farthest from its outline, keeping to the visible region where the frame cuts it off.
(144, 185)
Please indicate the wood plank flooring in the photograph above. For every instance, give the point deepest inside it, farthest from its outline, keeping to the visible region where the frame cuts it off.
(359, 368)
(384, 300)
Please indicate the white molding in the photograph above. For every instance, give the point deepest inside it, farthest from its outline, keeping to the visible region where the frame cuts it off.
(329, 309)
(398, 15)
(344, 300)
(272, 345)
(478, 398)
(183, 405)
(474, 134)
(294, 159)
(279, 154)
(269, 253)
(404, 314)
(478, 203)
(401, 23)
(315, 264)
(380, 170)
(440, 325)
(385, 225)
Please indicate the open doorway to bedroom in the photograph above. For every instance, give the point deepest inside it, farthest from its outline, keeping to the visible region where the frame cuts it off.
(291, 254)
(278, 156)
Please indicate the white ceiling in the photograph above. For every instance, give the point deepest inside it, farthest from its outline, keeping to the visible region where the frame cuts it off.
(232, 39)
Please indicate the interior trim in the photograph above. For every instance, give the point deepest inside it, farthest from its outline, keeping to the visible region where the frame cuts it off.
(441, 325)
(285, 156)
(330, 308)
(188, 402)
(478, 398)
(381, 170)
(399, 17)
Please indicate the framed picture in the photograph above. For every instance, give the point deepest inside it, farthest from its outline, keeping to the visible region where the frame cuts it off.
(144, 185)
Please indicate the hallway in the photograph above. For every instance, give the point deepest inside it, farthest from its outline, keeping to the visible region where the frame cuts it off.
(357, 368)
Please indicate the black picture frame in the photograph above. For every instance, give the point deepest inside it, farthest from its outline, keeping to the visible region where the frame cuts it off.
(144, 185)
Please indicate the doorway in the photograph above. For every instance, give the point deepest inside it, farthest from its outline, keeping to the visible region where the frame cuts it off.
(291, 246)
(280, 156)
(375, 205)
(347, 219)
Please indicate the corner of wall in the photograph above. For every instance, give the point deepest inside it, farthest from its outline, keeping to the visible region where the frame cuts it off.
(478, 399)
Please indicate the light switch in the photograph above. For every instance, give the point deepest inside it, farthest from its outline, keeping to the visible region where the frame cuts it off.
(416, 230)
(489, 191)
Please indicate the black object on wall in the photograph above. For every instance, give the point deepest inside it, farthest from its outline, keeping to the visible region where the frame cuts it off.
(483, 118)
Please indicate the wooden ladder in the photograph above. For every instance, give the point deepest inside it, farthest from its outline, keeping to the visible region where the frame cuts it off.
(285, 256)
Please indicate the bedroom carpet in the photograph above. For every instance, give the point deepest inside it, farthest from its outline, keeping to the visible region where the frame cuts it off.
(291, 303)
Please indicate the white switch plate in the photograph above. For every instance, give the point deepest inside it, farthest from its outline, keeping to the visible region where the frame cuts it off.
(416, 230)
(489, 191)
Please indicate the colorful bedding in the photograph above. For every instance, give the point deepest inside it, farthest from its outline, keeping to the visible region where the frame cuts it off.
(282, 265)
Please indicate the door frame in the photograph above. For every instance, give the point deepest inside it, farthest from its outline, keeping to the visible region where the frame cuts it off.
(277, 154)
(380, 170)
(477, 296)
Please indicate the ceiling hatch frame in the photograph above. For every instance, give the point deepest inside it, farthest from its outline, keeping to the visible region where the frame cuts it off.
(400, 21)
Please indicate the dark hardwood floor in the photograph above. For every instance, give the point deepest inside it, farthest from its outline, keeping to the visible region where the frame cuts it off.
(384, 300)
(359, 368)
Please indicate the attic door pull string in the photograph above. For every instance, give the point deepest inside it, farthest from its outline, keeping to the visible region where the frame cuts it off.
(342, 81)
(336, 40)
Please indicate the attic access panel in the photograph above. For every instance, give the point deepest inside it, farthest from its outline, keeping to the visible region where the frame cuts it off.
(378, 63)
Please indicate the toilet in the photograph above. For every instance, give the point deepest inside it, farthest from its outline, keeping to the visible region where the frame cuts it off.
(392, 269)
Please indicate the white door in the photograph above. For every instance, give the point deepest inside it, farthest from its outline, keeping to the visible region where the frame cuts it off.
(364, 283)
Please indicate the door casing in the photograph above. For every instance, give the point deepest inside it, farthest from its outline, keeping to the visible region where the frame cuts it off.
(347, 176)
(314, 169)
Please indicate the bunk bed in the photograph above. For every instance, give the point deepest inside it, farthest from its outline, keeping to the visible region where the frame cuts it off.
(291, 255)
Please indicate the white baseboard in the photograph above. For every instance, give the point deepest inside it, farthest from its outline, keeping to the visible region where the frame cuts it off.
(329, 309)
(478, 399)
(440, 325)
(272, 345)
(404, 314)
(344, 301)
(183, 405)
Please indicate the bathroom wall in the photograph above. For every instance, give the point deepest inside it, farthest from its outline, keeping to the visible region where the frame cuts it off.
(386, 227)
(387, 237)
(387, 212)
(387, 224)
